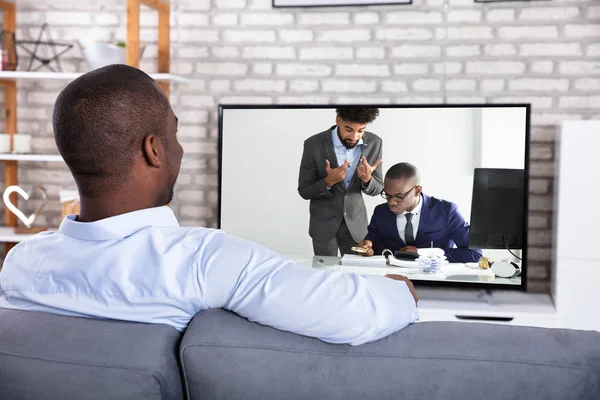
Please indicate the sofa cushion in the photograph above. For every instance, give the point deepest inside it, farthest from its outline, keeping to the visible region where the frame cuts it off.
(47, 356)
(225, 356)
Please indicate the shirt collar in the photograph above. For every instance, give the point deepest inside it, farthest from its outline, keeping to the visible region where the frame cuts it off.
(417, 209)
(338, 143)
(119, 226)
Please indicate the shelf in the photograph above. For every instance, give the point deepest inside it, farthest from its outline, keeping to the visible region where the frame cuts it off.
(27, 4)
(8, 235)
(47, 157)
(31, 157)
(9, 85)
(69, 76)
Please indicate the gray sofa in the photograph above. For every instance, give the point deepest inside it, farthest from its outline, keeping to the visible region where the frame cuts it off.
(223, 356)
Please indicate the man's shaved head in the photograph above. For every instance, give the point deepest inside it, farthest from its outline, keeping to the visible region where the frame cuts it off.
(100, 121)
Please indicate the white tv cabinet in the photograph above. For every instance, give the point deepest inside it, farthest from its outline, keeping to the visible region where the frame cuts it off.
(576, 266)
(497, 307)
(463, 305)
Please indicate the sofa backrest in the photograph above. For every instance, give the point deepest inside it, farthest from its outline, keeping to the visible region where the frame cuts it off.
(46, 356)
(226, 357)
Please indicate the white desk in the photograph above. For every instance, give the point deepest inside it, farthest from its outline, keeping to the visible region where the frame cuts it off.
(437, 304)
(448, 272)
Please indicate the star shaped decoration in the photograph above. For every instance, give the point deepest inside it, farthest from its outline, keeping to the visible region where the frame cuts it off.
(37, 44)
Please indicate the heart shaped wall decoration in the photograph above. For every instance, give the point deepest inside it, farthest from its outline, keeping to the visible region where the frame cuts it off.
(28, 221)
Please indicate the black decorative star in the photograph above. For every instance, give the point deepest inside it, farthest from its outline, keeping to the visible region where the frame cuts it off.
(51, 43)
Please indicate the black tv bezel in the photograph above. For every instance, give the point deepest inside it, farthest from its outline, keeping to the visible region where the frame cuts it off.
(439, 284)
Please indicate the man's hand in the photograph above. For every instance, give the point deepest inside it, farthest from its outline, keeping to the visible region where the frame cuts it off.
(335, 175)
(408, 283)
(411, 249)
(364, 170)
(367, 244)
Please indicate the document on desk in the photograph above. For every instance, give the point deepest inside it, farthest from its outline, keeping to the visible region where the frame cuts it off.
(356, 260)
(377, 261)
(395, 262)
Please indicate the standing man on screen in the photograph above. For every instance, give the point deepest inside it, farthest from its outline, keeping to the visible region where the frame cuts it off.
(412, 219)
(338, 165)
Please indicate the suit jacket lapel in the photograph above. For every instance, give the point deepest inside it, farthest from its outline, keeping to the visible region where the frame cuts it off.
(331, 156)
(329, 150)
(424, 216)
(392, 227)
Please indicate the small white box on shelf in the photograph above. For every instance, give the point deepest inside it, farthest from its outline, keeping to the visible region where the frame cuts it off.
(4, 143)
(21, 143)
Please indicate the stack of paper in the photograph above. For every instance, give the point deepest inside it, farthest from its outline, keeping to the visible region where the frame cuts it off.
(353, 259)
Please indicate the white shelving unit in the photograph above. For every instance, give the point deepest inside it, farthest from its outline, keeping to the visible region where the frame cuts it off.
(9, 81)
(8, 235)
(69, 76)
(31, 157)
(45, 158)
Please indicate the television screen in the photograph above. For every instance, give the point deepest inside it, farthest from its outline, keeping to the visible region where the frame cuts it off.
(281, 185)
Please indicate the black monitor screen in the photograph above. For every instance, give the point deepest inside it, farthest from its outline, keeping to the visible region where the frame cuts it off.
(497, 209)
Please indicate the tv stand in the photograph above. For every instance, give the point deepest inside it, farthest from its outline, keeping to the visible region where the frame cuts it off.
(498, 306)
(486, 296)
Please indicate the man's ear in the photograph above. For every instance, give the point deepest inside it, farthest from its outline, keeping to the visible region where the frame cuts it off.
(152, 149)
(418, 190)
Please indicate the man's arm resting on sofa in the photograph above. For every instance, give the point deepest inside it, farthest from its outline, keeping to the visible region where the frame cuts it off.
(334, 306)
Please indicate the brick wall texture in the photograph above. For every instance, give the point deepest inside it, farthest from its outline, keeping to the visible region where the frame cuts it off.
(546, 53)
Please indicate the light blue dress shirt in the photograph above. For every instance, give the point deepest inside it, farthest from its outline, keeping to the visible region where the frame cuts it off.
(142, 266)
(342, 154)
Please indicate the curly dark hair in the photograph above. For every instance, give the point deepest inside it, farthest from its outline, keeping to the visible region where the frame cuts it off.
(358, 115)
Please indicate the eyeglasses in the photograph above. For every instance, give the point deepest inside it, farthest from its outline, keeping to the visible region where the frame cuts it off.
(394, 197)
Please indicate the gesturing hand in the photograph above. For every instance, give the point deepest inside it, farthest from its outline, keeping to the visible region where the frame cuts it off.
(365, 170)
(335, 175)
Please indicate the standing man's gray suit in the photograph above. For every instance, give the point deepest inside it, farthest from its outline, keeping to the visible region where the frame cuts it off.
(334, 209)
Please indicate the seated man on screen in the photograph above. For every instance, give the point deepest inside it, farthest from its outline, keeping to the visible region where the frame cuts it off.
(125, 256)
(411, 219)
(338, 165)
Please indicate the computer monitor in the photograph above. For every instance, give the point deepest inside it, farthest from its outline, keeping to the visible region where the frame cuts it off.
(497, 209)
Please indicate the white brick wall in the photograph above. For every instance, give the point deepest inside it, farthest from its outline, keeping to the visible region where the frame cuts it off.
(244, 51)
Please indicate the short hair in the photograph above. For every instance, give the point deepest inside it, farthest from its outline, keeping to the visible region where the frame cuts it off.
(358, 115)
(99, 121)
(403, 170)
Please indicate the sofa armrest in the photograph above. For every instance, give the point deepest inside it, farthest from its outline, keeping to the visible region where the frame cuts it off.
(225, 356)
(48, 356)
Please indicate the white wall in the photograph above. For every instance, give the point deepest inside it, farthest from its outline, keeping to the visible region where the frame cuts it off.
(502, 127)
(262, 149)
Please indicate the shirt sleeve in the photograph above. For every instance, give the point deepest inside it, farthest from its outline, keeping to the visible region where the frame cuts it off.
(334, 306)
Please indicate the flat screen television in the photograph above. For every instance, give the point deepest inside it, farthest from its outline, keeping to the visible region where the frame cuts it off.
(260, 151)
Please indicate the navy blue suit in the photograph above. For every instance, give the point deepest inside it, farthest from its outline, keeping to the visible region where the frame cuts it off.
(440, 222)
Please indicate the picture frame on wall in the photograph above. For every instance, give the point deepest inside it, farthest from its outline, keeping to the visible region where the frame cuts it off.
(337, 3)
(505, 1)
